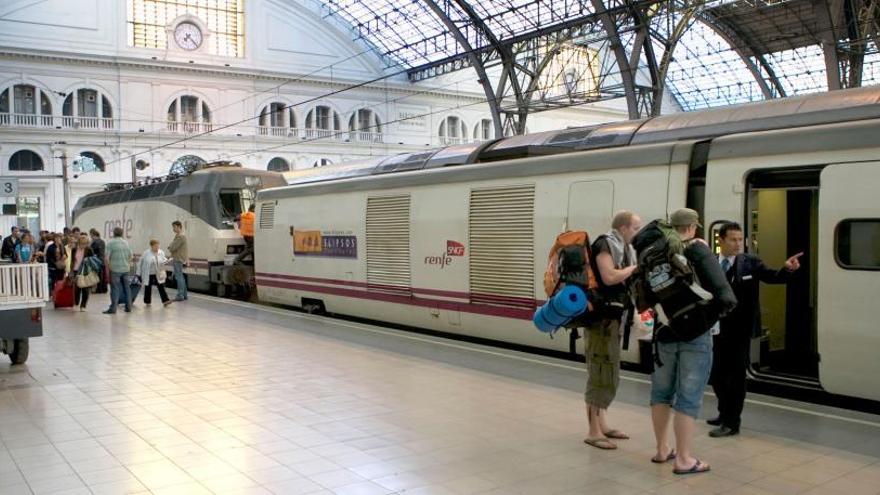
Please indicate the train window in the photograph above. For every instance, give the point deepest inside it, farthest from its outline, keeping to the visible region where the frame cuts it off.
(171, 188)
(231, 204)
(857, 244)
(142, 192)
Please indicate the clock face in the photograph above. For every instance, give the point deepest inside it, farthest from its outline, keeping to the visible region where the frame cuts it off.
(188, 36)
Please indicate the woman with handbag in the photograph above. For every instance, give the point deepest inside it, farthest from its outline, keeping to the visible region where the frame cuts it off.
(151, 271)
(83, 272)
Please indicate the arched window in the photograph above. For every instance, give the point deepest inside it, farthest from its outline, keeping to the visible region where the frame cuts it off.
(321, 122)
(276, 119)
(453, 130)
(25, 161)
(189, 114)
(278, 164)
(186, 164)
(364, 125)
(25, 105)
(87, 108)
(97, 163)
(321, 162)
(483, 130)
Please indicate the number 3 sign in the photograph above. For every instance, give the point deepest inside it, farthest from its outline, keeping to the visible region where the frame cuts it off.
(8, 187)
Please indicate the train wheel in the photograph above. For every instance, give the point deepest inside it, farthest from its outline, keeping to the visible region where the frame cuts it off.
(20, 351)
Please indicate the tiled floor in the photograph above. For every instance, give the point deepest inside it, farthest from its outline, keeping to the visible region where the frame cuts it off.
(220, 397)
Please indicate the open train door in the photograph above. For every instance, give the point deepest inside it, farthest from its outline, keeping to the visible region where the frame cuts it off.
(849, 279)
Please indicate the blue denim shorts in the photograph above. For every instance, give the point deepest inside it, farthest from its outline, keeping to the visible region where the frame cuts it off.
(682, 379)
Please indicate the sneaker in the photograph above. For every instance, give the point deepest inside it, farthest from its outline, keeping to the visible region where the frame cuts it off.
(108, 312)
(167, 303)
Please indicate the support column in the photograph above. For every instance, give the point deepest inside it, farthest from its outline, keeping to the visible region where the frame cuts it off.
(198, 115)
(38, 107)
(100, 107)
(65, 181)
(627, 75)
(12, 104)
(74, 109)
(476, 62)
(177, 112)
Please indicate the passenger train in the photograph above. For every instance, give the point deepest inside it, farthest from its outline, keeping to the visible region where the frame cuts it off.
(206, 199)
(455, 240)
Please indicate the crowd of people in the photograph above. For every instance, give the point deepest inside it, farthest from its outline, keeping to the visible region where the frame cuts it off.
(715, 343)
(84, 263)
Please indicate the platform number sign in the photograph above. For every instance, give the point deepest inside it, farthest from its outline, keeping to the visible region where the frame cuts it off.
(8, 187)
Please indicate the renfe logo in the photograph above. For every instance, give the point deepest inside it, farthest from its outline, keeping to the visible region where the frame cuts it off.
(453, 249)
(125, 223)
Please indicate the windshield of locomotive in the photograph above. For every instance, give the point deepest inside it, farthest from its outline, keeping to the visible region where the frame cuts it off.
(232, 203)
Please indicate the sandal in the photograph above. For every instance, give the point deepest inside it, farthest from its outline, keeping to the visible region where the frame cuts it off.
(697, 468)
(669, 457)
(601, 443)
(616, 434)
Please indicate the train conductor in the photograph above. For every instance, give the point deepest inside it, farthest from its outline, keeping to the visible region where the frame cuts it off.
(745, 272)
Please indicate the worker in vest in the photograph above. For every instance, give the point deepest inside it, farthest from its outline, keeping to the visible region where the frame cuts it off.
(246, 227)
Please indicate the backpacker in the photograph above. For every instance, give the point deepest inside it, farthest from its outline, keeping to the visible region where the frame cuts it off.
(668, 283)
(569, 263)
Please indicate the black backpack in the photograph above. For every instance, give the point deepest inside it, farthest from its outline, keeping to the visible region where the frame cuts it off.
(668, 283)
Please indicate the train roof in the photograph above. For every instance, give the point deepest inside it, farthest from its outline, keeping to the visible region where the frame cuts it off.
(174, 185)
(799, 111)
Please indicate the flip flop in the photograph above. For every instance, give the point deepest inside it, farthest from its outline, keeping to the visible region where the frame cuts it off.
(616, 434)
(600, 443)
(698, 467)
(669, 457)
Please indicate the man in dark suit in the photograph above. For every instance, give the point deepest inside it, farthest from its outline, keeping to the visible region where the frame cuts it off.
(745, 272)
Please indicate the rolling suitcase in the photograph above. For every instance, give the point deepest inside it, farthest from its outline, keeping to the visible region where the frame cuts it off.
(63, 294)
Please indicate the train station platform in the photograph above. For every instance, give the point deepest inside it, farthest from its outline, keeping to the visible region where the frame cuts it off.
(216, 396)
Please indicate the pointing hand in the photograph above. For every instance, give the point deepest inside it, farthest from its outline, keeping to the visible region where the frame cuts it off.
(792, 263)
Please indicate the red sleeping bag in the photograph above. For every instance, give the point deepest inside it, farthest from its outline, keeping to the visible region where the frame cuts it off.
(62, 294)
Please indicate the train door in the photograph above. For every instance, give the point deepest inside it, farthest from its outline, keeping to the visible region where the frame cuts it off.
(849, 274)
(590, 206)
(781, 219)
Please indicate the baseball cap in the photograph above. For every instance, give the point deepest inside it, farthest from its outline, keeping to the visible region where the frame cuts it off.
(683, 217)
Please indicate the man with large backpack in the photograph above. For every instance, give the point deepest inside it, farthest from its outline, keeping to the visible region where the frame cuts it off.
(682, 280)
(614, 261)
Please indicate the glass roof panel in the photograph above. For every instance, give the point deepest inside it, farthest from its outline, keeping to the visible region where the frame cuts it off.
(871, 70)
(801, 70)
(705, 70)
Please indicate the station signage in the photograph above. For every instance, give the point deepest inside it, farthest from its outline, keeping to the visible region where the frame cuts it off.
(325, 243)
(9, 187)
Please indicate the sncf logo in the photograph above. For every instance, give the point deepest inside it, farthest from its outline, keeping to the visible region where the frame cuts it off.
(454, 248)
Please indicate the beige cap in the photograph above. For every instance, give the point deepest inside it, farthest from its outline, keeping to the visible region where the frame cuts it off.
(684, 217)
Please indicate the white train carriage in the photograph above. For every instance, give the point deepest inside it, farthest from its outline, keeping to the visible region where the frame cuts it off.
(456, 240)
(205, 200)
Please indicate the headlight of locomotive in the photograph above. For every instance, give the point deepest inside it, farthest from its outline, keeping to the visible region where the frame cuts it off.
(234, 249)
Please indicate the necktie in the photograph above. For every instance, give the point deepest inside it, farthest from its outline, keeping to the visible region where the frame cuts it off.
(725, 265)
